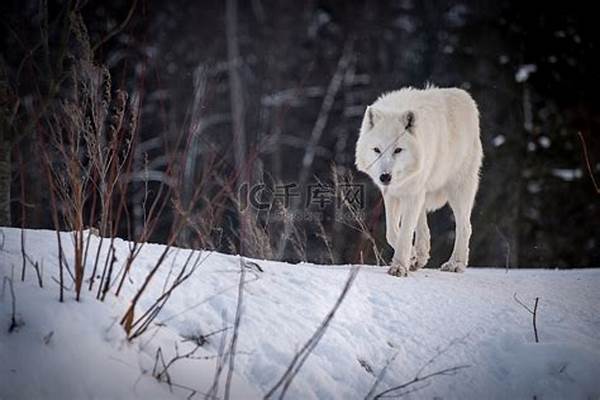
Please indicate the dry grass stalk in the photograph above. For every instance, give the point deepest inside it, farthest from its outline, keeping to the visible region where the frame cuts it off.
(357, 222)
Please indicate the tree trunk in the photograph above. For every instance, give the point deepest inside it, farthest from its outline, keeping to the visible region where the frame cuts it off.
(236, 95)
(5, 179)
(5, 147)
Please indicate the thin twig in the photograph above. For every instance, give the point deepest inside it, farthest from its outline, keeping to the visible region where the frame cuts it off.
(23, 213)
(164, 375)
(214, 388)
(39, 274)
(13, 316)
(535, 331)
(152, 312)
(118, 28)
(236, 327)
(380, 376)
(587, 162)
(444, 372)
(532, 312)
(418, 377)
(300, 357)
(177, 357)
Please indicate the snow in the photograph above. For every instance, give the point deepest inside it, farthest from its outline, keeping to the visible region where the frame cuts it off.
(68, 351)
(545, 142)
(524, 71)
(567, 174)
(427, 322)
(498, 140)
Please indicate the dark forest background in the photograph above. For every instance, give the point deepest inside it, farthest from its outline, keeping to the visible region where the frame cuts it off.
(226, 96)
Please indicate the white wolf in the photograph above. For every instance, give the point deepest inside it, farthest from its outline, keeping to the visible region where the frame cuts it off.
(422, 148)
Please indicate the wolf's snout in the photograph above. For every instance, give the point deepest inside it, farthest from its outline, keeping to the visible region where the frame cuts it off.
(385, 178)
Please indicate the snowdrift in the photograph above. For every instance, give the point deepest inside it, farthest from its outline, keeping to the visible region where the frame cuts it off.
(463, 336)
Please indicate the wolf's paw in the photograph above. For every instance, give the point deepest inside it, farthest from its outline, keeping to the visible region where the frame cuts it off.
(398, 270)
(416, 264)
(453, 266)
(418, 261)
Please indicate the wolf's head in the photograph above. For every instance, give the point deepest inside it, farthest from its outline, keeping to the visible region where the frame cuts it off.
(386, 149)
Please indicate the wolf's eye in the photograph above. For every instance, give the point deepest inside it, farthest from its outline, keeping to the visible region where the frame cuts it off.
(376, 150)
(397, 150)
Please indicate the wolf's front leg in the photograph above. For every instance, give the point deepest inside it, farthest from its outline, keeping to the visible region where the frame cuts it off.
(410, 208)
(392, 219)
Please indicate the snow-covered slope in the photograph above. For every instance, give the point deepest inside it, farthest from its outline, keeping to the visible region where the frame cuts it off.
(423, 324)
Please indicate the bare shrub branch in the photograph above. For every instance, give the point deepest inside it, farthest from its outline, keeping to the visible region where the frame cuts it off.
(396, 390)
(14, 323)
(380, 376)
(152, 312)
(214, 388)
(357, 221)
(532, 312)
(300, 357)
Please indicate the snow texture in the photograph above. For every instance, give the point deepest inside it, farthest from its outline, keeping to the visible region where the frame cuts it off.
(429, 321)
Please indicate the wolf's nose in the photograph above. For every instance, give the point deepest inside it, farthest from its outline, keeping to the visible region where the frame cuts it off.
(385, 178)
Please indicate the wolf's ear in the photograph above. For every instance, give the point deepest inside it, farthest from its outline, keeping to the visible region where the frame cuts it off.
(372, 116)
(408, 121)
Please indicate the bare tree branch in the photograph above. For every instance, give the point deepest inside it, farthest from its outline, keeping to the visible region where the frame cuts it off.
(587, 162)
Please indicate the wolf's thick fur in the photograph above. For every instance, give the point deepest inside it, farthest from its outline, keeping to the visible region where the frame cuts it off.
(422, 148)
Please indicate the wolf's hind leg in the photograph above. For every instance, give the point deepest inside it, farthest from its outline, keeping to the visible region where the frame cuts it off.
(422, 247)
(461, 201)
